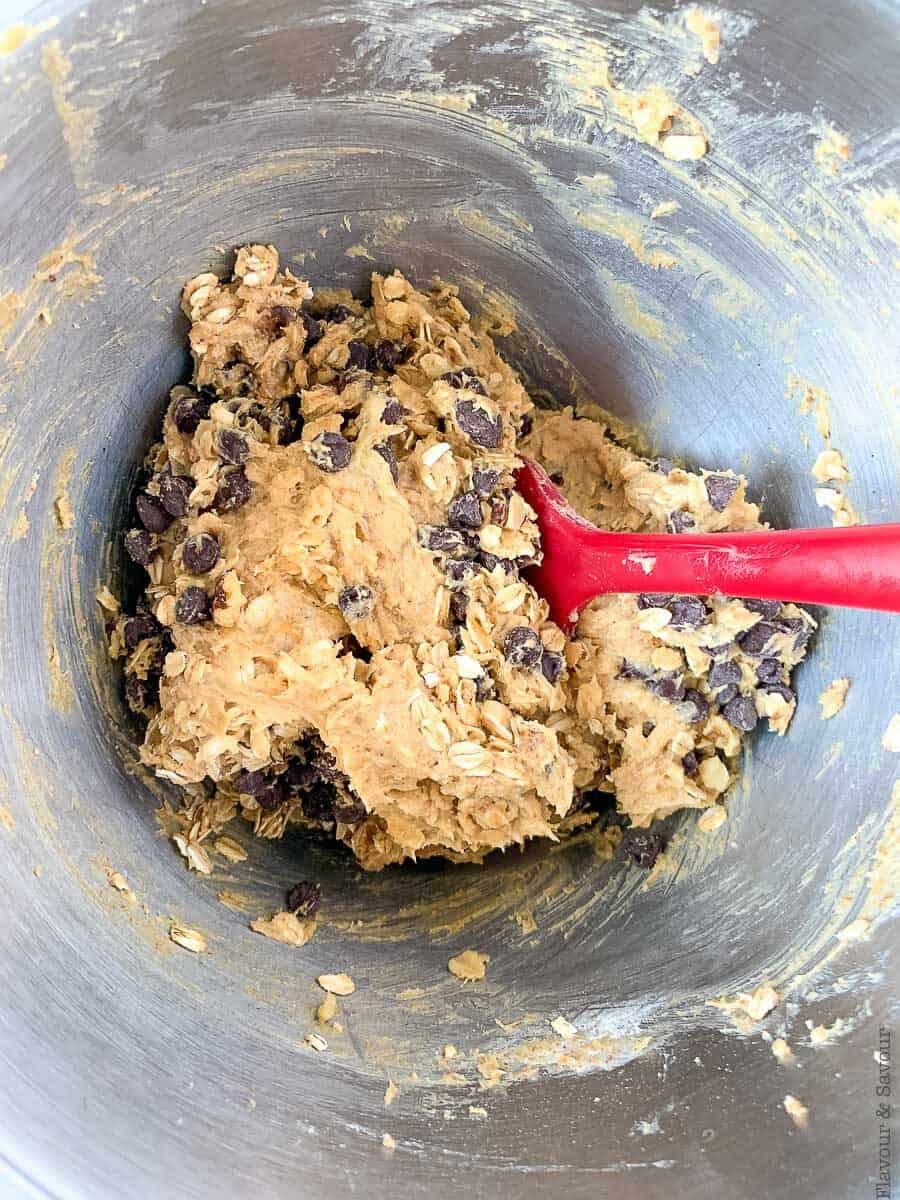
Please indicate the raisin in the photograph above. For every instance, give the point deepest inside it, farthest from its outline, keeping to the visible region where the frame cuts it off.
(151, 513)
(643, 848)
(235, 489)
(139, 546)
(174, 491)
(193, 606)
(233, 448)
(140, 627)
(200, 553)
(304, 899)
(478, 425)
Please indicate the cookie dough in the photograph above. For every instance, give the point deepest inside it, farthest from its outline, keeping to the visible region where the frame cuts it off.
(336, 627)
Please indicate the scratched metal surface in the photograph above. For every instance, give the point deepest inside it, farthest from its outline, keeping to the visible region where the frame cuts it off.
(129, 1067)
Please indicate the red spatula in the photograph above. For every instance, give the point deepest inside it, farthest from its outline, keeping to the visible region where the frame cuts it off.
(858, 567)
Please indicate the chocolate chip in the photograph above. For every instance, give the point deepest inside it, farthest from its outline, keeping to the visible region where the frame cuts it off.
(500, 509)
(200, 553)
(174, 491)
(139, 546)
(688, 612)
(389, 355)
(465, 378)
(318, 803)
(304, 899)
(339, 313)
(460, 570)
(753, 641)
(668, 686)
(459, 607)
(189, 411)
(642, 848)
(394, 412)
(140, 627)
(151, 513)
(386, 450)
(552, 665)
(251, 783)
(360, 355)
(690, 763)
(801, 630)
(557, 478)
(785, 692)
(741, 713)
(720, 489)
(488, 560)
(281, 315)
(765, 608)
(233, 448)
(349, 810)
(679, 521)
(465, 512)
(769, 670)
(647, 728)
(694, 706)
(440, 538)
(717, 651)
(235, 489)
(475, 423)
(314, 329)
(484, 480)
(141, 693)
(721, 673)
(193, 607)
(526, 425)
(522, 647)
(331, 452)
(355, 602)
(272, 796)
(653, 600)
(727, 693)
(630, 670)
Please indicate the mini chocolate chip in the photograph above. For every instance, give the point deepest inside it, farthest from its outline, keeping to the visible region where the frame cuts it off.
(668, 686)
(558, 478)
(141, 693)
(281, 315)
(484, 480)
(440, 538)
(630, 670)
(174, 491)
(140, 627)
(193, 606)
(769, 670)
(304, 899)
(314, 329)
(189, 411)
(653, 600)
(386, 450)
(522, 647)
(753, 641)
(465, 512)
(394, 412)
(643, 848)
(318, 802)
(251, 783)
(360, 355)
(765, 608)
(151, 513)
(741, 713)
(647, 728)
(694, 706)
(485, 689)
(355, 602)
(349, 810)
(139, 546)
(459, 570)
(721, 673)
(688, 612)
(488, 560)
(200, 553)
(727, 693)
(690, 763)
(459, 607)
(475, 423)
(552, 665)
(526, 425)
(235, 489)
(785, 692)
(465, 378)
(679, 521)
(233, 448)
(720, 489)
(389, 355)
(331, 452)
(500, 509)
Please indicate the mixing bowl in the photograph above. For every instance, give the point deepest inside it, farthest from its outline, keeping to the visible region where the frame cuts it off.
(492, 143)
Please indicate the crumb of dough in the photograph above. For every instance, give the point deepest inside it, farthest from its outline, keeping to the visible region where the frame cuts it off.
(490, 1070)
(476, 1110)
(285, 927)
(37, 871)
(890, 739)
(833, 698)
(782, 1051)
(797, 1111)
(188, 938)
(388, 1142)
(449, 1051)
(118, 881)
(524, 918)
(712, 818)
(842, 511)
(404, 691)
(564, 1028)
(337, 985)
(831, 151)
(664, 209)
(326, 1011)
(107, 600)
(704, 27)
(830, 467)
(316, 1041)
(231, 850)
(856, 931)
(756, 1005)
(470, 965)
(823, 1035)
(65, 514)
(391, 1092)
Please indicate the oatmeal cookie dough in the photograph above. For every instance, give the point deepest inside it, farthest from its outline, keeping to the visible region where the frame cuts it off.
(336, 627)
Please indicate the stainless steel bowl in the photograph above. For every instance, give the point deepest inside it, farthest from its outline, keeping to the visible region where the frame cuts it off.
(477, 140)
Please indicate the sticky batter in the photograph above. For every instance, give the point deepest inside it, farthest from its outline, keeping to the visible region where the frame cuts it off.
(336, 626)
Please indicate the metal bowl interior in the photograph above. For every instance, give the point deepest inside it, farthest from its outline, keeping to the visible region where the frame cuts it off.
(479, 142)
